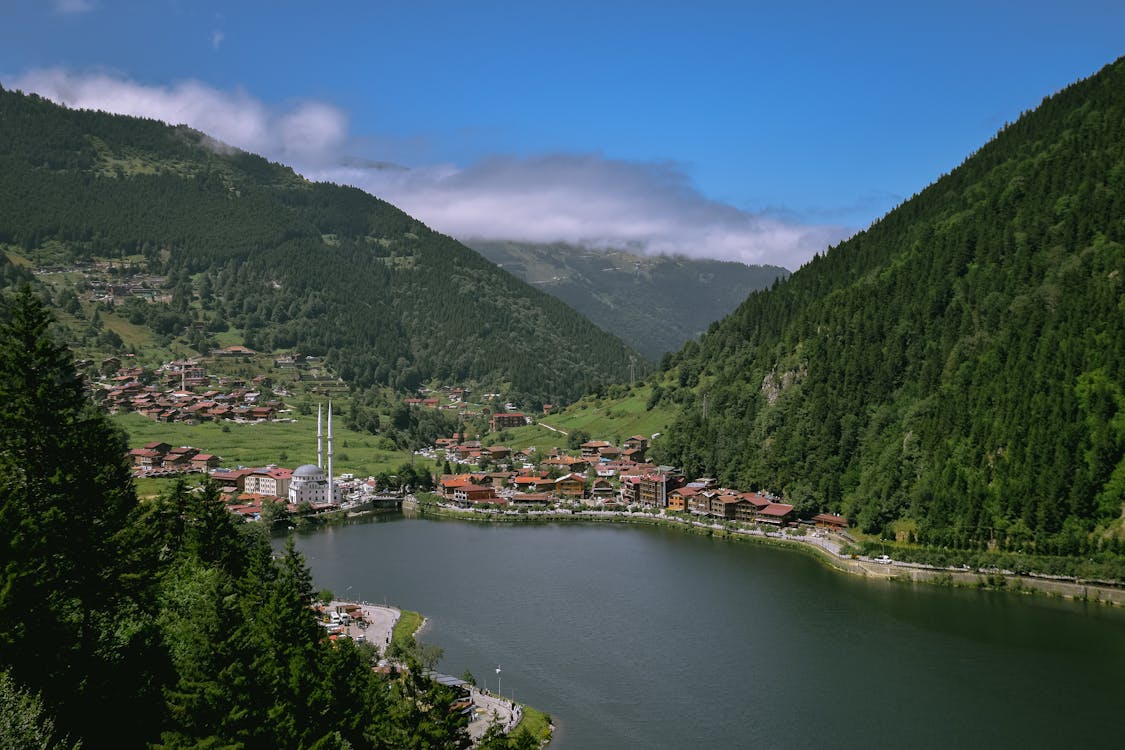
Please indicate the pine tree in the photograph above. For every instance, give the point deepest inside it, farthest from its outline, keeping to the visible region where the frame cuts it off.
(65, 498)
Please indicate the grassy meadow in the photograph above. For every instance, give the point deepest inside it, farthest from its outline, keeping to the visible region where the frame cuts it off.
(288, 444)
(611, 419)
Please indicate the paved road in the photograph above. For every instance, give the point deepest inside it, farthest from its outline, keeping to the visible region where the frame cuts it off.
(380, 623)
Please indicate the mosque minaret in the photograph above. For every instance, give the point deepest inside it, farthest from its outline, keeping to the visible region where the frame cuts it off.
(309, 484)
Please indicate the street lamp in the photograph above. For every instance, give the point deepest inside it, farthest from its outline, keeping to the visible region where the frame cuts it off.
(497, 680)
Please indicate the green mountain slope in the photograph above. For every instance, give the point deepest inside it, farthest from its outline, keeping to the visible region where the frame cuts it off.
(654, 303)
(246, 245)
(955, 374)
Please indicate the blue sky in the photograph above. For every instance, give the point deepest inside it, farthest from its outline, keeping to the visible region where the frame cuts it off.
(743, 130)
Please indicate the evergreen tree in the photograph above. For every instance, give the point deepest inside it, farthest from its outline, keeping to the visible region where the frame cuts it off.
(66, 612)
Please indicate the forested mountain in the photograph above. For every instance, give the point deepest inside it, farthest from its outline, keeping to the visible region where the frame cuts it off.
(250, 246)
(655, 303)
(956, 373)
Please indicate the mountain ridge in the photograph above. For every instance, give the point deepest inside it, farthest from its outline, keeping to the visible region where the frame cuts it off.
(654, 302)
(955, 374)
(251, 248)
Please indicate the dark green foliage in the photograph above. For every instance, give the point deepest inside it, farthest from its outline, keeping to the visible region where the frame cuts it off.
(961, 364)
(654, 303)
(327, 270)
(168, 624)
(65, 500)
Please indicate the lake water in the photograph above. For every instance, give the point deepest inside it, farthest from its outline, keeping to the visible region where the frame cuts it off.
(648, 638)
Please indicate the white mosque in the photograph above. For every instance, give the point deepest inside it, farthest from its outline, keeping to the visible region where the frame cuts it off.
(309, 484)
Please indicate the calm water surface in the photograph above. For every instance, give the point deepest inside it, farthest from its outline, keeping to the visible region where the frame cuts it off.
(638, 637)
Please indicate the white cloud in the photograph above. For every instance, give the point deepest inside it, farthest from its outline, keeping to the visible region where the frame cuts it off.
(68, 7)
(304, 132)
(592, 201)
(578, 198)
(217, 37)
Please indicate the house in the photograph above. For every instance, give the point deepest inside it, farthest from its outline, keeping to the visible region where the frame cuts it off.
(591, 447)
(724, 504)
(775, 513)
(531, 498)
(498, 452)
(699, 502)
(637, 441)
(449, 483)
(636, 455)
(609, 453)
(467, 495)
(571, 485)
(146, 459)
(829, 521)
(179, 458)
(653, 489)
(502, 420)
(566, 463)
(529, 484)
(272, 481)
(204, 462)
(678, 498)
(630, 493)
(602, 488)
(500, 479)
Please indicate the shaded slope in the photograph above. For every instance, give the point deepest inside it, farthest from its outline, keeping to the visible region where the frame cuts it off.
(654, 303)
(956, 372)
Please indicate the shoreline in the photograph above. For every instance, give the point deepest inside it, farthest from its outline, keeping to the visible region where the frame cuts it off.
(895, 571)
(383, 619)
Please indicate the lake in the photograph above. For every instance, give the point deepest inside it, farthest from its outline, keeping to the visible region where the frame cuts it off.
(645, 637)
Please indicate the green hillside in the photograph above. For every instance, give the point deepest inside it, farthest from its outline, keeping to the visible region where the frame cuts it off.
(231, 248)
(654, 303)
(956, 374)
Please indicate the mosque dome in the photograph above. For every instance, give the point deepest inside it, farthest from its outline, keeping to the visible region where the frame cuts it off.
(309, 472)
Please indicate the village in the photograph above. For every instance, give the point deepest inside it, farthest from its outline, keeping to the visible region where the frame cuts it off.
(183, 391)
(598, 476)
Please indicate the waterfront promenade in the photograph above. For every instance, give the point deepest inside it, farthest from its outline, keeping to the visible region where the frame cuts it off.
(376, 626)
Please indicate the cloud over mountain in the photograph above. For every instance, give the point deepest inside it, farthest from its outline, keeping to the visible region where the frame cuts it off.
(585, 199)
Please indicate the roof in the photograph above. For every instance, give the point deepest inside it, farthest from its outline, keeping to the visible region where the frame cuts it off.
(831, 519)
(776, 509)
(757, 499)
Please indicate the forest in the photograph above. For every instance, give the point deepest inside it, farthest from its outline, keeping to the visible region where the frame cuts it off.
(955, 374)
(247, 245)
(654, 302)
(164, 624)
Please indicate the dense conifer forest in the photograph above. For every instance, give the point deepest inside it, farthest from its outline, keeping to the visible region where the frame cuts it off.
(655, 303)
(954, 375)
(248, 245)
